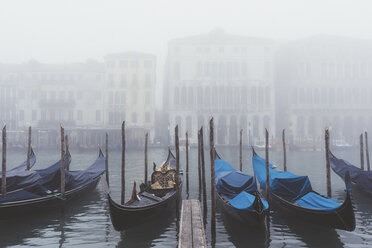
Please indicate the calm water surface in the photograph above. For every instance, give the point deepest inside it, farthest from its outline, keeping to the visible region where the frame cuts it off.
(86, 221)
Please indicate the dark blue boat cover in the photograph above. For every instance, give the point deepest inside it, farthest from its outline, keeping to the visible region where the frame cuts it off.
(244, 201)
(48, 181)
(314, 201)
(230, 181)
(362, 179)
(20, 167)
(284, 184)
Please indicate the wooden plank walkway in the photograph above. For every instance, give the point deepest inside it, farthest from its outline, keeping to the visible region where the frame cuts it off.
(192, 232)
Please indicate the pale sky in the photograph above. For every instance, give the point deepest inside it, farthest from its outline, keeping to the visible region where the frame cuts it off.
(73, 30)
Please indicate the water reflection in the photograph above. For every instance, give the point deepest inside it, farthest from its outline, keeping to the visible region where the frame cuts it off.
(56, 222)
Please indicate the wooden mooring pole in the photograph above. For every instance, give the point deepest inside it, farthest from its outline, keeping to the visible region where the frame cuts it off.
(267, 165)
(106, 160)
(284, 151)
(29, 148)
(3, 164)
(123, 163)
(328, 163)
(367, 151)
(241, 151)
(63, 175)
(187, 164)
(199, 164)
(146, 163)
(204, 184)
(212, 155)
(177, 144)
(361, 152)
(67, 152)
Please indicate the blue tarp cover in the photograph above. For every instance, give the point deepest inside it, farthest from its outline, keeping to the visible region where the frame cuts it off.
(285, 184)
(315, 201)
(244, 201)
(49, 180)
(230, 181)
(15, 176)
(363, 179)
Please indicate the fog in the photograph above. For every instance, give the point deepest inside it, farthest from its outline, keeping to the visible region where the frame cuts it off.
(70, 41)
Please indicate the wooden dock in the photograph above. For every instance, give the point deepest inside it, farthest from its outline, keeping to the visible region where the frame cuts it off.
(192, 232)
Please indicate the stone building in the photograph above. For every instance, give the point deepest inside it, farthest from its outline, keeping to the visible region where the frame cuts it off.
(324, 81)
(226, 76)
(130, 92)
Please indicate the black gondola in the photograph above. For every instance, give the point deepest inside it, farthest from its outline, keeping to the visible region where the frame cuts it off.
(155, 198)
(293, 194)
(43, 188)
(237, 194)
(361, 179)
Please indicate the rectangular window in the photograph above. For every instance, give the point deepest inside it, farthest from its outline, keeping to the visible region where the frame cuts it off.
(134, 117)
(43, 115)
(148, 98)
(61, 115)
(123, 80)
(134, 98)
(52, 115)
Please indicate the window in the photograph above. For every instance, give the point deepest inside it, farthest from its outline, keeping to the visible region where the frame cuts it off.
(134, 117)
(34, 115)
(61, 115)
(80, 115)
(177, 73)
(176, 99)
(147, 117)
(111, 97)
(98, 115)
(123, 98)
(111, 118)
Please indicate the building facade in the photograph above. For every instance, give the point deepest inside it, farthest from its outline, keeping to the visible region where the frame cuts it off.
(228, 77)
(324, 81)
(130, 91)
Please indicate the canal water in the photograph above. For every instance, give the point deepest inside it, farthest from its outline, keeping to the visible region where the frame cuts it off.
(86, 221)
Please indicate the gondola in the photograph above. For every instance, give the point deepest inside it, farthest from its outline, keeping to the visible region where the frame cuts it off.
(237, 194)
(360, 179)
(293, 194)
(155, 197)
(43, 192)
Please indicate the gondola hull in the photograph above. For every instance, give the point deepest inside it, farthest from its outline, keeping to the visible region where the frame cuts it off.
(123, 217)
(42, 204)
(251, 218)
(342, 218)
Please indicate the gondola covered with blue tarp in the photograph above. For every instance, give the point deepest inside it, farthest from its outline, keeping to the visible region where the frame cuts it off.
(42, 190)
(237, 194)
(360, 178)
(294, 195)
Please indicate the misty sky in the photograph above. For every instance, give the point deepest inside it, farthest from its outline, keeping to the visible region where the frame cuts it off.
(59, 31)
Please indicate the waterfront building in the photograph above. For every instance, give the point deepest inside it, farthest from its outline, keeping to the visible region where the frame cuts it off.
(130, 79)
(324, 81)
(229, 77)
